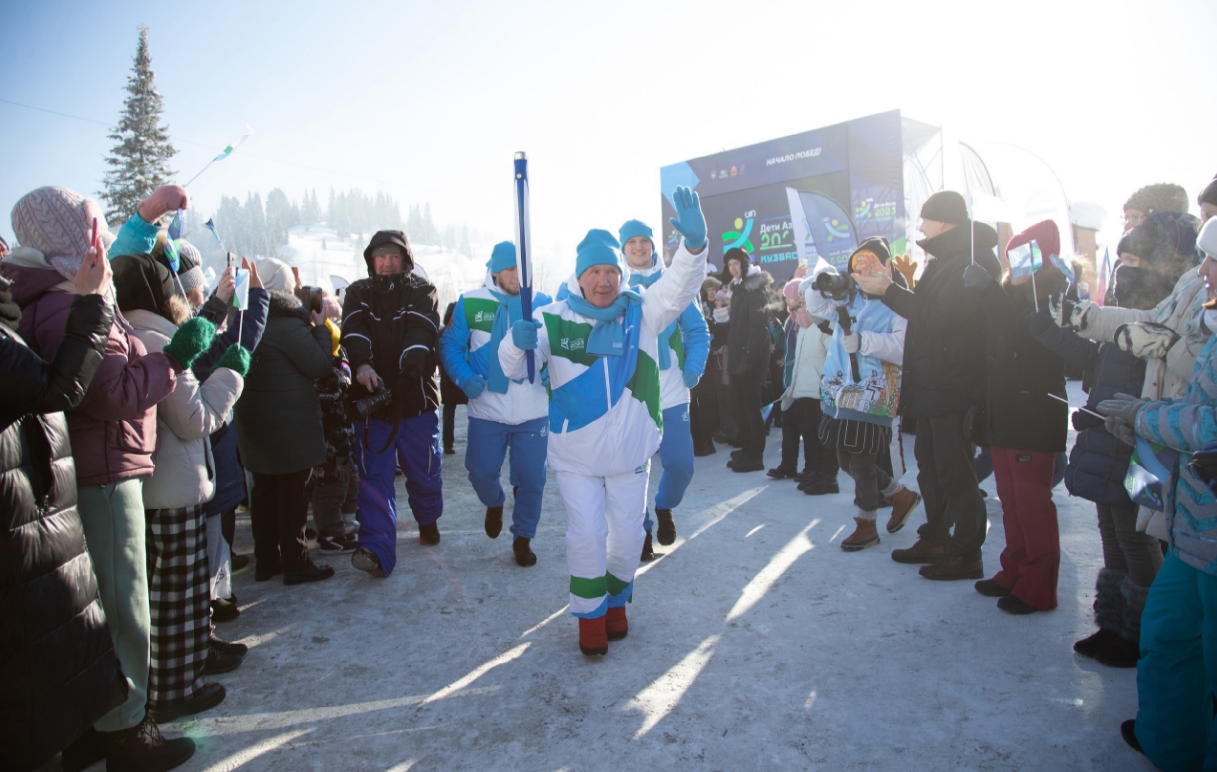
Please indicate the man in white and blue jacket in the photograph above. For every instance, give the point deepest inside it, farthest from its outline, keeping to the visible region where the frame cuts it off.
(503, 413)
(601, 347)
(683, 347)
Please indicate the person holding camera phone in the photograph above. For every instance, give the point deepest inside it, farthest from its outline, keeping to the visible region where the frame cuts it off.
(279, 430)
(860, 386)
(390, 329)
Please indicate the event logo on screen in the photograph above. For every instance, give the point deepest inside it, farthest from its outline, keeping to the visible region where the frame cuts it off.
(874, 211)
(741, 235)
(837, 230)
(768, 239)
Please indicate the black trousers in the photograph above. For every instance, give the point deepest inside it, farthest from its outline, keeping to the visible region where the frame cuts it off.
(703, 415)
(746, 405)
(947, 479)
(802, 421)
(449, 425)
(277, 513)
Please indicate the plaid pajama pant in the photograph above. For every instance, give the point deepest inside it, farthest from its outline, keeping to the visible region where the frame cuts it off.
(179, 595)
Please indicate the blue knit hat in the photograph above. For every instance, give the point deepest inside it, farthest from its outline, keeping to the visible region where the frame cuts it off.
(502, 257)
(633, 228)
(598, 248)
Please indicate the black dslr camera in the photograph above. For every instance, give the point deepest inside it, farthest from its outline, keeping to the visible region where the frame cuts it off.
(835, 286)
(368, 405)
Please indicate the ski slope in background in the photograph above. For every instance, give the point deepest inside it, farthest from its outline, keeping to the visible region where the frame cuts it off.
(319, 254)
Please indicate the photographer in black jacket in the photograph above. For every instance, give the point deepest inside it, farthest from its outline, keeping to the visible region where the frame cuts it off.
(390, 328)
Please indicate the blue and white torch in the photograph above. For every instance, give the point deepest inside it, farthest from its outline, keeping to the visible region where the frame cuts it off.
(524, 248)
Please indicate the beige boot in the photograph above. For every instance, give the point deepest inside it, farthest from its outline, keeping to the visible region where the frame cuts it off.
(865, 535)
(904, 501)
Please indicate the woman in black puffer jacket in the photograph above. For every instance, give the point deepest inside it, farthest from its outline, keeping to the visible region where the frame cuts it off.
(57, 659)
(280, 436)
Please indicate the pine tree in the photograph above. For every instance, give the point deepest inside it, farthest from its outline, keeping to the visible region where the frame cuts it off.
(465, 248)
(431, 235)
(414, 225)
(140, 161)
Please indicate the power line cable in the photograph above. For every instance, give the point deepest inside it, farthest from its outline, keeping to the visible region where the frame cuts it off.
(203, 144)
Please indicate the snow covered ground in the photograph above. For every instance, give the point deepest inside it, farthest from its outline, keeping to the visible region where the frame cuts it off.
(755, 643)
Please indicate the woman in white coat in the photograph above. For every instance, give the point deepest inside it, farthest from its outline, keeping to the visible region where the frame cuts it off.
(801, 400)
(178, 578)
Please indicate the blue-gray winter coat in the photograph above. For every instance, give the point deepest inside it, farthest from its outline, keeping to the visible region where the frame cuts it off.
(1187, 425)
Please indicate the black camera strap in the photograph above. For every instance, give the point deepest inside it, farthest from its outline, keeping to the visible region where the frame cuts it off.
(367, 425)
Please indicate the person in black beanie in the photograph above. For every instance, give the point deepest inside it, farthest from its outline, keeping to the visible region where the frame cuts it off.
(944, 384)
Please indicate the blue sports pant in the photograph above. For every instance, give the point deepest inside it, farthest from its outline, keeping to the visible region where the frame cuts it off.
(1177, 672)
(676, 455)
(416, 448)
(485, 449)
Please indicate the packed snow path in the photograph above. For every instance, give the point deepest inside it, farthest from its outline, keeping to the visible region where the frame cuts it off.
(755, 643)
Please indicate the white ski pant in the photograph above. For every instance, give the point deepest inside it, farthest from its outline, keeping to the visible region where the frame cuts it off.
(604, 537)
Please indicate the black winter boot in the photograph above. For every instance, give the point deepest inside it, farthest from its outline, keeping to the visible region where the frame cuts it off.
(1108, 615)
(143, 749)
(524, 554)
(1124, 650)
(428, 535)
(85, 751)
(221, 659)
(648, 551)
(667, 526)
(494, 521)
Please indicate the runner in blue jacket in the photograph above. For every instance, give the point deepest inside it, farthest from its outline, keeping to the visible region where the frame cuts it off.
(683, 347)
(503, 413)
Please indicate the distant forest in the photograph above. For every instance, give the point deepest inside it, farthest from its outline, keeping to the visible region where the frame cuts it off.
(257, 228)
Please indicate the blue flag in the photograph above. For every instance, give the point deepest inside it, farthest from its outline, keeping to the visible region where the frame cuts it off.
(1025, 260)
(1151, 474)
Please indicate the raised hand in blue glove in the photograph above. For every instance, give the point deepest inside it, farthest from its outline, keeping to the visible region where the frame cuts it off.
(524, 334)
(689, 220)
(473, 386)
(691, 378)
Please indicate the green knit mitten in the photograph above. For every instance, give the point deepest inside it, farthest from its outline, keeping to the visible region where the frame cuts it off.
(191, 339)
(235, 359)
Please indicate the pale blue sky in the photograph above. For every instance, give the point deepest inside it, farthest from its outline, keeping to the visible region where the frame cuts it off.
(428, 101)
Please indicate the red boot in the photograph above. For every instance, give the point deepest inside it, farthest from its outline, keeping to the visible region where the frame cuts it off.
(592, 639)
(615, 624)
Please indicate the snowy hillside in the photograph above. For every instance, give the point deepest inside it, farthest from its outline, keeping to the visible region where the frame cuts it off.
(320, 254)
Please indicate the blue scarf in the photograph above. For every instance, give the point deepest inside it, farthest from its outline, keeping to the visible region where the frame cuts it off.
(646, 280)
(606, 338)
(509, 308)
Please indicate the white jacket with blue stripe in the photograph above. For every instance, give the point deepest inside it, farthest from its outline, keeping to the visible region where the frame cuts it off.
(464, 352)
(606, 413)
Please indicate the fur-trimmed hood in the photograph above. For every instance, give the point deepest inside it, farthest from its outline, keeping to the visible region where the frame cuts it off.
(286, 304)
(758, 280)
